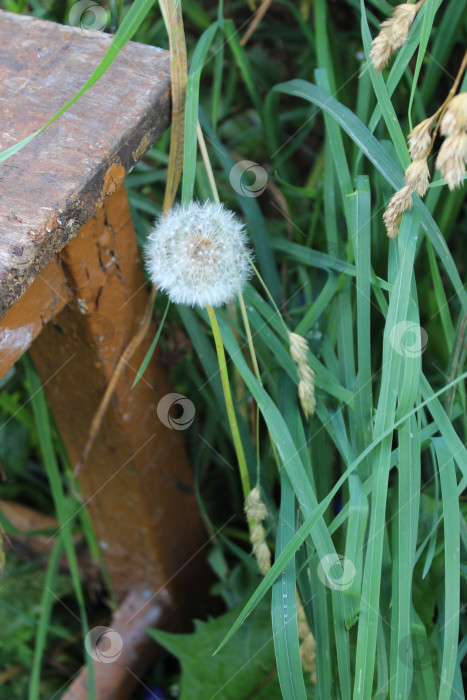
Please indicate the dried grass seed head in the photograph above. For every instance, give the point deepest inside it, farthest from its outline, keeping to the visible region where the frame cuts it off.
(298, 348)
(454, 121)
(381, 52)
(255, 509)
(392, 35)
(398, 204)
(420, 139)
(417, 176)
(451, 159)
(198, 254)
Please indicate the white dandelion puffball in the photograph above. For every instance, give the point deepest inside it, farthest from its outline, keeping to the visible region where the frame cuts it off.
(198, 255)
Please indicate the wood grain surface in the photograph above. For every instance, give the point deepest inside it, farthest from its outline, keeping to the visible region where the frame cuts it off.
(58, 181)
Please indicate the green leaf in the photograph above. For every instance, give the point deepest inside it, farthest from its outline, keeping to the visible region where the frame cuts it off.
(243, 670)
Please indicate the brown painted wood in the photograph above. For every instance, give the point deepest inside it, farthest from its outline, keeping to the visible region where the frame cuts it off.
(71, 283)
(136, 481)
(23, 322)
(53, 185)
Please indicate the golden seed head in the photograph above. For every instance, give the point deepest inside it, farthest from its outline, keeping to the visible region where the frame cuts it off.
(263, 557)
(398, 204)
(306, 386)
(455, 119)
(255, 509)
(417, 176)
(260, 547)
(306, 393)
(451, 159)
(398, 26)
(258, 534)
(381, 52)
(298, 348)
(393, 33)
(420, 139)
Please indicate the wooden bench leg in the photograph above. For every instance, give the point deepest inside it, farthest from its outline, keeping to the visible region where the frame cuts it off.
(136, 481)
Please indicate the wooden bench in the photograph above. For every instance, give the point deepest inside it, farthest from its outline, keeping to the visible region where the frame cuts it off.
(72, 290)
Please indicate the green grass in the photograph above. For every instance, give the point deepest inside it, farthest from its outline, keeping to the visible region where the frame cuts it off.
(365, 499)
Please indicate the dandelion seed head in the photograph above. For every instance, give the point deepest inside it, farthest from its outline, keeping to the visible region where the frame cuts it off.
(198, 255)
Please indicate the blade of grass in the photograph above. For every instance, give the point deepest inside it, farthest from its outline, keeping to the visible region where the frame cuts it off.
(40, 410)
(305, 529)
(406, 527)
(384, 163)
(450, 629)
(152, 347)
(284, 604)
(191, 111)
(47, 601)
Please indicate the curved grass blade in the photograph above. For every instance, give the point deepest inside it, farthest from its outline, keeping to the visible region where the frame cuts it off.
(150, 352)
(383, 162)
(305, 529)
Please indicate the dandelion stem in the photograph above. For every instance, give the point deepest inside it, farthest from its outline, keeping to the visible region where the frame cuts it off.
(245, 479)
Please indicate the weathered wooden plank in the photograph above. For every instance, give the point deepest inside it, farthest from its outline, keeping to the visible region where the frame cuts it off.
(137, 482)
(59, 180)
